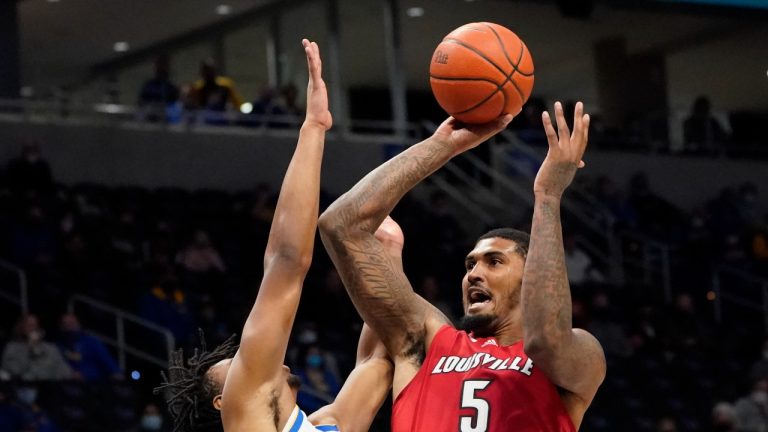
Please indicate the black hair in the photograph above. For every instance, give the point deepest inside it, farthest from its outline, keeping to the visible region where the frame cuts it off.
(521, 239)
(189, 391)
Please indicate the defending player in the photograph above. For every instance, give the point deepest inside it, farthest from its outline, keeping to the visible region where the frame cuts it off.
(522, 366)
(248, 388)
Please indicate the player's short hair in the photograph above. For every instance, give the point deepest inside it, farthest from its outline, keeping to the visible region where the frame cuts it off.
(522, 239)
(189, 390)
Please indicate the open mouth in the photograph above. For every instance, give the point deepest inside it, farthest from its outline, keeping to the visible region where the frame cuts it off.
(478, 297)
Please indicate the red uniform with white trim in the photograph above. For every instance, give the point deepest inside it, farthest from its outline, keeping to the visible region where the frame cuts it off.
(469, 384)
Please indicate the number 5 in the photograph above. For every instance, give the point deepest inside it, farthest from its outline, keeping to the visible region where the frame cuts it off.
(477, 423)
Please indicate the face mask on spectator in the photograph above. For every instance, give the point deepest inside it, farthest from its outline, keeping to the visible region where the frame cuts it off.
(151, 422)
(35, 336)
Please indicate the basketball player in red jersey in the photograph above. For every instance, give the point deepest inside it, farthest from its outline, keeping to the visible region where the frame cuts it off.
(521, 367)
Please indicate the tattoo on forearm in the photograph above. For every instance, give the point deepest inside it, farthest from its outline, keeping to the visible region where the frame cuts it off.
(547, 299)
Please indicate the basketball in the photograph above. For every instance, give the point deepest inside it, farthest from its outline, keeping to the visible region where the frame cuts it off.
(481, 71)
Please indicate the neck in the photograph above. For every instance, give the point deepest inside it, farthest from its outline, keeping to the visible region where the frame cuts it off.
(510, 330)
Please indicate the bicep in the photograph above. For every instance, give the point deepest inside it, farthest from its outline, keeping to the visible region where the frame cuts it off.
(578, 367)
(266, 331)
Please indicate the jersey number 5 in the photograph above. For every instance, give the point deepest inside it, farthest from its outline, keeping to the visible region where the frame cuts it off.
(479, 421)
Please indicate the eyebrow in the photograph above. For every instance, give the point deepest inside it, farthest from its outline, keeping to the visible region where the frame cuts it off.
(486, 255)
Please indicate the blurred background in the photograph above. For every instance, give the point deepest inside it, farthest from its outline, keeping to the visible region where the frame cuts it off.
(144, 142)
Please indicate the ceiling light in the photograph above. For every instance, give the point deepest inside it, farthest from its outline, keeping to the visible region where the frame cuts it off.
(53, 1)
(223, 9)
(414, 12)
(121, 46)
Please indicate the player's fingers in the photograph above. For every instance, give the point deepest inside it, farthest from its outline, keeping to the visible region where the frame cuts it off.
(549, 130)
(578, 113)
(585, 133)
(562, 126)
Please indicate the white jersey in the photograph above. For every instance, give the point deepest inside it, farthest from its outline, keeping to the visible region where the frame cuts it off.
(298, 422)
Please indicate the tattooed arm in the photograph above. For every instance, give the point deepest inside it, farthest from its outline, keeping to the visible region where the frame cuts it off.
(571, 358)
(375, 282)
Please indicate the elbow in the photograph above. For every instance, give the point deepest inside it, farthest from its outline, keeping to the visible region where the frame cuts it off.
(326, 221)
(538, 346)
(298, 260)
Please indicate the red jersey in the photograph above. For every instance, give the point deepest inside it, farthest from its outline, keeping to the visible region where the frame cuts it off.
(469, 384)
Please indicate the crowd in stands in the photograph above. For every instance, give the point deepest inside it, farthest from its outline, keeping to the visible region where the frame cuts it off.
(214, 99)
(193, 259)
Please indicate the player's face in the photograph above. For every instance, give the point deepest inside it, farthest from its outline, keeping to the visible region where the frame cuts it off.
(494, 275)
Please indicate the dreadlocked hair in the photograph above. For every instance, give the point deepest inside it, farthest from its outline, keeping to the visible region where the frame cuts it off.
(189, 391)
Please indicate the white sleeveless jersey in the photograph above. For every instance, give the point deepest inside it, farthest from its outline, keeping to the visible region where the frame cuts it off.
(298, 422)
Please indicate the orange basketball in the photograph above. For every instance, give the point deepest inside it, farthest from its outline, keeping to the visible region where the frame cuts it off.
(481, 71)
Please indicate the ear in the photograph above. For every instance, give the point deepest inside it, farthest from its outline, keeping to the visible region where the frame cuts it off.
(217, 402)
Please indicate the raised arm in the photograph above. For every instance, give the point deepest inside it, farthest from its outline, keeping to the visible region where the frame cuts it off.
(365, 389)
(571, 358)
(375, 282)
(288, 253)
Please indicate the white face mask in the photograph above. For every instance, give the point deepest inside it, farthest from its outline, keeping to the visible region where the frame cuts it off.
(152, 422)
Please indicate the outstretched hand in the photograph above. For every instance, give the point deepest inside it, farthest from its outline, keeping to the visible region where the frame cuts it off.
(317, 94)
(565, 151)
(463, 136)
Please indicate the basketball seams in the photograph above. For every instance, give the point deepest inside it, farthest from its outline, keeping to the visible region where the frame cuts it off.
(514, 65)
(486, 99)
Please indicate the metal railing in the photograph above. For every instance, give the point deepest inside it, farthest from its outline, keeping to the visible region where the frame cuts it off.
(740, 288)
(118, 341)
(52, 111)
(20, 295)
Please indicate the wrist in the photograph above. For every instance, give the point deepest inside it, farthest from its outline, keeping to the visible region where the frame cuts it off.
(548, 196)
(312, 126)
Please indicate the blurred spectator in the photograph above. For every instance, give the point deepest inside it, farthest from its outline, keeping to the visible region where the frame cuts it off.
(702, 133)
(87, 356)
(11, 418)
(166, 305)
(723, 418)
(578, 263)
(29, 358)
(30, 173)
(752, 410)
(608, 194)
(200, 256)
(683, 327)
(604, 327)
(151, 420)
(666, 424)
(431, 291)
(277, 109)
(33, 240)
(159, 97)
(25, 414)
(655, 215)
(213, 93)
(319, 383)
(747, 204)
